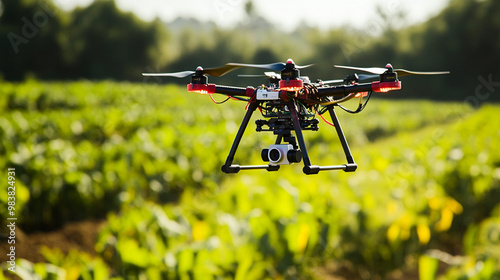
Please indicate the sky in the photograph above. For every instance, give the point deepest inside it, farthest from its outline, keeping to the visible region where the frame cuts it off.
(285, 14)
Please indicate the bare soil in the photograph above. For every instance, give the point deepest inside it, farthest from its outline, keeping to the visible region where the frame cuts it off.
(81, 236)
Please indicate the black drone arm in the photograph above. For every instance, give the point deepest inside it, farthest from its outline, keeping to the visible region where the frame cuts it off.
(234, 91)
(226, 90)
(337, 91)
(343, 90)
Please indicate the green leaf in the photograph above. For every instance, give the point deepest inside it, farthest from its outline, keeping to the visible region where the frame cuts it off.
(427, 267)
(185, 260)
(131, 253)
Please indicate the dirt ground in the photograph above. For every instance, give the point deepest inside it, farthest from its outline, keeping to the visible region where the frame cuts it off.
(81, 236)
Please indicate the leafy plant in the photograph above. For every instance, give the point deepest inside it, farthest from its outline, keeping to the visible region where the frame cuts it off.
(141, 156)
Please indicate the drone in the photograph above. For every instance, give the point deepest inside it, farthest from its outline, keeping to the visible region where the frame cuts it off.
(290, 104)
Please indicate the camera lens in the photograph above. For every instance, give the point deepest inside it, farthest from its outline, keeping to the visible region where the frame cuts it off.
(274, 155)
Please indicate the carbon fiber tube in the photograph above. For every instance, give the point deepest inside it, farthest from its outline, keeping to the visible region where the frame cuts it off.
(231, 91)
(343, 90)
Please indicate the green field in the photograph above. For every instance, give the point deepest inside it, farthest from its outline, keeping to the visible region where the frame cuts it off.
(147, 158)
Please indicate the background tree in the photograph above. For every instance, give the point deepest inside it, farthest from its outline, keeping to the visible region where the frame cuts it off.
(102, 42)
(29, 39)
(107, 43)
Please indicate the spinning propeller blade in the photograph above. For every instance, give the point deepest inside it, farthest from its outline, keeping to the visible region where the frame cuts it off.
(250, 76)
(373, 70)
(217, 72)
(332, 81)
(182, 74)
(266, 74)
(278, 66)
(351, 78)
(364, 77)
(220, 71)
(400, 72)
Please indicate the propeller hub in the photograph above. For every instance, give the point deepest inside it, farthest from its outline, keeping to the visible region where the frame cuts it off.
(389, 75)
(290, 65)
(199, 77)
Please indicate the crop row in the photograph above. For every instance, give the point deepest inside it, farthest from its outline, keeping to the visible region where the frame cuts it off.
(148, 157)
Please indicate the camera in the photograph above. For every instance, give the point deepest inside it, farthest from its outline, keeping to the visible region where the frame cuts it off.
(281, 154)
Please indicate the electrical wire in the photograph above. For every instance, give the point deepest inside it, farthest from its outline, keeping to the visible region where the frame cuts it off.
(312, 89)
(361, 106)
(337, 101)
(229, 97)
(253, 98)
(323, 118)
(218, 102)
(239, 98)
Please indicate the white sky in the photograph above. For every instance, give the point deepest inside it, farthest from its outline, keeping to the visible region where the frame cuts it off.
(286, 14)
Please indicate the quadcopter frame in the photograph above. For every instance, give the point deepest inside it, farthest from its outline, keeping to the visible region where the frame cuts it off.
(290, 102)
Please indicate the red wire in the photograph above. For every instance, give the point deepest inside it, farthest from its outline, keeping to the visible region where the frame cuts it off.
(252, 99)
(324, 119)
(233, 98)
(211, 97)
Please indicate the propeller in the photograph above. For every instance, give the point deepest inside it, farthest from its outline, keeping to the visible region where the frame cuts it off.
(266, 74)
(349, 78)
(278, 66)
(364, 77)
(332, 81)
(388, 67)
(222, 70)
(217, 72)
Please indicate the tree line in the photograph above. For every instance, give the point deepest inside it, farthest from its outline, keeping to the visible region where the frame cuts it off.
(96, 42)
(37, 39)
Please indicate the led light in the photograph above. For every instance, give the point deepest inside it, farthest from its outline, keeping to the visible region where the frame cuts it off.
(291, 85)
(361, 94)
(201, 88)
(386, 86)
